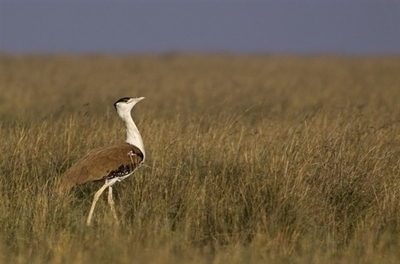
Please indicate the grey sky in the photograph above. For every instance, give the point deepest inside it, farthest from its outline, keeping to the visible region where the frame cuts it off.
(347, 27)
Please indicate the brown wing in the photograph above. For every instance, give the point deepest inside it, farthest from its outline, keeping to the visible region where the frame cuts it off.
(103, 163)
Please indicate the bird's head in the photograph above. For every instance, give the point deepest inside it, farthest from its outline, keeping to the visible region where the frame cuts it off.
(125, 105)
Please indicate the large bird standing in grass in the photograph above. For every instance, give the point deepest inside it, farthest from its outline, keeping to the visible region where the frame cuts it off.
(111, 164)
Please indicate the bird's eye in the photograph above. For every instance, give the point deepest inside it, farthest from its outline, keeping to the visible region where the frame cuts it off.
(122, 100)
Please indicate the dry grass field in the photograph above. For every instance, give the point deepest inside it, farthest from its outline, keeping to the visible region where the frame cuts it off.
(250, 159)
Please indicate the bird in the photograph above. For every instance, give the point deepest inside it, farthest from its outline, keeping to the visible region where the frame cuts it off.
(110, 164)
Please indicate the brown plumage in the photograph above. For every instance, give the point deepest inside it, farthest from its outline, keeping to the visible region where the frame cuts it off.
(101, 164)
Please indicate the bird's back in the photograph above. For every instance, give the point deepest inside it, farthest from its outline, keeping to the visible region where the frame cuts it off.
(102, 163)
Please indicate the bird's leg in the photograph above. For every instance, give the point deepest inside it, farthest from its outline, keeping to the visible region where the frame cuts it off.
(112, 203)
(96, 197)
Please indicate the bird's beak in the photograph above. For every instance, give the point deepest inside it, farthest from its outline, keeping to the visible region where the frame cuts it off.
(136, 100)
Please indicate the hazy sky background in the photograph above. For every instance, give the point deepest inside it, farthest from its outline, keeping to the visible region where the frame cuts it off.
(345, 27)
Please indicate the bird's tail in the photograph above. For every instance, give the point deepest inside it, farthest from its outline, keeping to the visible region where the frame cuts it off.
(61, 187)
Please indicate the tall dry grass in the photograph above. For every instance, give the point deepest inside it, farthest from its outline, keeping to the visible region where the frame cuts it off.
(251, 159)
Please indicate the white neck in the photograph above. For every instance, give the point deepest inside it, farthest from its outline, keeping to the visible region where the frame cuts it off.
(133, 136)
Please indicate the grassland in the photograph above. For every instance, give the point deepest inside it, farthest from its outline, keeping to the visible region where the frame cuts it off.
(250, 159)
